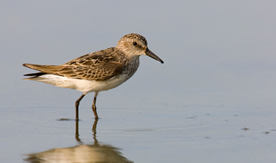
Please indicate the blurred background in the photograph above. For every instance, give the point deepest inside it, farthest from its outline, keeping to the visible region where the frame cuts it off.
(214, 51)
(219, 57)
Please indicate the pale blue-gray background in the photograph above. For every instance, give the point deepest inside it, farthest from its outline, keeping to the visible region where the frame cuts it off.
(220, 59)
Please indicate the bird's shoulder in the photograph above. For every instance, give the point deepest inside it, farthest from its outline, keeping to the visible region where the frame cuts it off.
(98, 57)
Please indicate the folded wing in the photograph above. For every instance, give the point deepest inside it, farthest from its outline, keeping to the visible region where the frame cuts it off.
(87, 67)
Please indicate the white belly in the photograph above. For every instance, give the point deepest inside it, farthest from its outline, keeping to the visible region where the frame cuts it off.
(82, 85)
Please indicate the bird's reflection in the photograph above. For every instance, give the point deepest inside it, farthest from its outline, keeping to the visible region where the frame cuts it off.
(82, 153)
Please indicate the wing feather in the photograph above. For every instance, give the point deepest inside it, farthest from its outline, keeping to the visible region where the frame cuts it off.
(94, 66)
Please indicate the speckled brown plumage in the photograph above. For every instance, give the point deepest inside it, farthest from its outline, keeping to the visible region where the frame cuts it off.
(99, 66)
(97, 71)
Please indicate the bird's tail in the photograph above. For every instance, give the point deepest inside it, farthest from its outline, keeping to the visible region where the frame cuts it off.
(35, 67)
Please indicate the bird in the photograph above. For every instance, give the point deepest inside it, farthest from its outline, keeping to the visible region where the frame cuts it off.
(97, 71)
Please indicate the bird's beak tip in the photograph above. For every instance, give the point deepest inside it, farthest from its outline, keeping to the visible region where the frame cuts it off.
(152, 55)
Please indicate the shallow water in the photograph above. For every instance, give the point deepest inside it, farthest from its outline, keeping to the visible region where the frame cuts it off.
(195, 133)
(213, 100)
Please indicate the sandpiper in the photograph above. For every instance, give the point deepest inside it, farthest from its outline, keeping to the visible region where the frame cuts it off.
(97, 71)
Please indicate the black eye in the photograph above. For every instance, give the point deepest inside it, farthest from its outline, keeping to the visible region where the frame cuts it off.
(134, 43)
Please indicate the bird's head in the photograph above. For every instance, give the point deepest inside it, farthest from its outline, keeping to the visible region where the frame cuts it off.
(136, 45)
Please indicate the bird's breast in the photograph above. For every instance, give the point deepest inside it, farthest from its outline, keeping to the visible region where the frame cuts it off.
(131, 66)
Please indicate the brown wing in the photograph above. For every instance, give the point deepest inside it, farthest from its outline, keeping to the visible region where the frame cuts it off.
(101, 71)
(98, 71)
(94, 66)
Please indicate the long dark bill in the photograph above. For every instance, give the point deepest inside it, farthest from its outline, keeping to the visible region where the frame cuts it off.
(152, 55)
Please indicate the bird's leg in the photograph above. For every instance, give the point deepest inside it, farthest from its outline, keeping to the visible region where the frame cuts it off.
(77, 105)
(94, 105)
